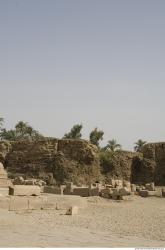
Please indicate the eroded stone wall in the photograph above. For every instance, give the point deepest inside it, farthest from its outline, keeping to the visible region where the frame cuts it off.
(78, 161)
(73, 160)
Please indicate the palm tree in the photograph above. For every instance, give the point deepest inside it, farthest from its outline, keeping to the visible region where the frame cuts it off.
(139, 145)
(112, 145)
(21, 128)
(96, 136)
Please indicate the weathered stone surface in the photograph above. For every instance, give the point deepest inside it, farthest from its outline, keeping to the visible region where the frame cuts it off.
(133, 188)
(58, 161)
(81, 191)
(4, 202)
(54, 161)
(143, 193)
(49, 202)
(4, 182)
(34, 203)
(4, 191)
(147, 193)
(18, 203)
(24, 190)
(118, 166)
(53, 190)
(163, 192)
(150, 186)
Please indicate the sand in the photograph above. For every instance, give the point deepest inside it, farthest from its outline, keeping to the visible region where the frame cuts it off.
(137, 222)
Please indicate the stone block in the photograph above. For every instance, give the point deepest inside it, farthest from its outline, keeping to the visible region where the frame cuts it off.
(48, 202)
(112, 182)
(81, 191)
(118, 183)
(53, 190)
(94, 192)
(4, 183)
(156, 193)
(72, 211)
(133, 188)
(163, 192)
(143, 193)
(4, 202)
(25, 190)
(34, 203)
(150, 186)
(66, 201)
(4, 191)
(147, 193)
(18, 203)
(127, 184)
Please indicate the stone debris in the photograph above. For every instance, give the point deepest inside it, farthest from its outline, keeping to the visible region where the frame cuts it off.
(19, 180)
(72, 211)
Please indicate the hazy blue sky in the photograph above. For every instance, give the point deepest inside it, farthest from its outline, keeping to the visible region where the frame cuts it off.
(96, 62)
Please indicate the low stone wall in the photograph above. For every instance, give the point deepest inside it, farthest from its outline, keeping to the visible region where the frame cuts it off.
(45, 202)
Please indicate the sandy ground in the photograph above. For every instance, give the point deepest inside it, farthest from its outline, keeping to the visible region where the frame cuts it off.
(137, 222)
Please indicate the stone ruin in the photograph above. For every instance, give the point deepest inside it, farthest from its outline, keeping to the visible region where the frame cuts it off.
(4, 181)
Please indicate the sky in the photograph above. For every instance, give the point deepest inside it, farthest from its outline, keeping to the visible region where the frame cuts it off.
(96, 62)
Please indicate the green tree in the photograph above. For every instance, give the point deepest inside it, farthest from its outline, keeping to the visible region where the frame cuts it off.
(139, 145)
(75, 132)
(22, 131)
(112, 145)
(96, 136)
(8, 134)
(1, 122)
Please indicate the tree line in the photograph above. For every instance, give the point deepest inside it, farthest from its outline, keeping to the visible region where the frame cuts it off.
(23, 130)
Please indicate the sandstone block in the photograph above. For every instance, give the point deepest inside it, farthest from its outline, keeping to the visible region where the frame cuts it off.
(81, 191)
(72, 211)
(126, 184)
(150, 186)
(48, 203)
(4, 191)
(18, 203)
(118, 183)
(163, 192)
(66, 201)
(53, 190)
(143, 193)
(133, 188)
(34, 203)
(147, 193)
(24, 190)
(4, 202)
(94, 192)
